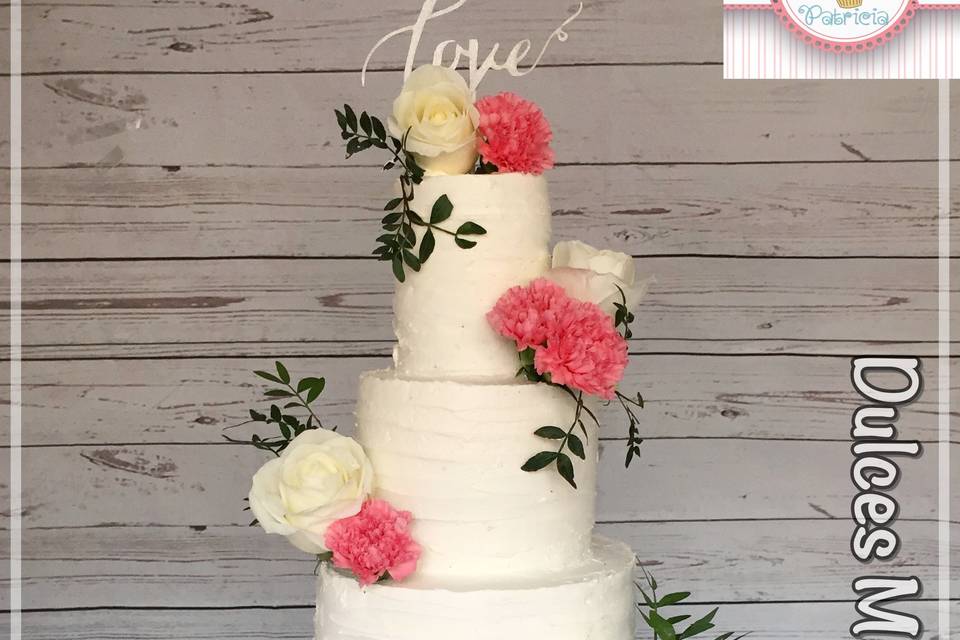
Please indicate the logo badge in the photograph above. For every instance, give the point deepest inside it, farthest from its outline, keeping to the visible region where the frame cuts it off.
(849, 26)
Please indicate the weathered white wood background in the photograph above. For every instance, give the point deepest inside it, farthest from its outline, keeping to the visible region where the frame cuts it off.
(189, 216)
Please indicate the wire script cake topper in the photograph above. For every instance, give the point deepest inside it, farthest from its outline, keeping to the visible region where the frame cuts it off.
(477, 70)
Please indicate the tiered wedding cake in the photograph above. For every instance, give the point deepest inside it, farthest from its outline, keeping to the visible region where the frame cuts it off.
(464, 508)
(506, 555)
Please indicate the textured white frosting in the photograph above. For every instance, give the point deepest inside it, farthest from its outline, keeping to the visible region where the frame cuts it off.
(440, 312)
(594, 602)
(450, 453)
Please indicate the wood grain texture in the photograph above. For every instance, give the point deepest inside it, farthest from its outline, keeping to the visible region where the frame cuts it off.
(272, 349)
(674, 480)
(227, 301)
(776, 621)
(283, 35)
(240, 566)
(192, 401)
(647, 114)
(820, 210)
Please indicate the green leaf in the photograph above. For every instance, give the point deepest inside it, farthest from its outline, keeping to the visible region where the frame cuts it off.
(365, 123)
(308, 383)
(409, 236)
(442, 209)
(661, 627)
(631, 452)
(351, 117)
(673, 598)
(398, 268)
(256, 416)
(314, 393)
(415, 218)
(551, 433)
(268, 376)
(539, 461)
(278, 393)
(471, 229)
(676, 619)
(365, 144)
(378, 129)
(393, 204)
(341, 119)
(565, 468)
(465, 244)
(575, 444)
(353, 147)
(412, 261)
(275, 414)
(427, 244)
(703, 624)
(285, 430)
(392, 218)
(282, 372)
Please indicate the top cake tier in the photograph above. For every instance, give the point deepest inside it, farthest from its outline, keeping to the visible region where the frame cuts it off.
(439, 313)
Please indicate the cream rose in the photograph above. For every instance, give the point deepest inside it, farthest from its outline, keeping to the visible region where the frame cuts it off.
(436, 107)
(319, 478)
(593, 275)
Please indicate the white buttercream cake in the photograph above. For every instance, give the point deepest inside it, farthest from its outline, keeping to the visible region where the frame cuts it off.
(506, 554)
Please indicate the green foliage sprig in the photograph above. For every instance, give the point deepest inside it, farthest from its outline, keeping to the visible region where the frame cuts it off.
(567, 440)
(664, 627)
(633, 430)
(623, 316)
(397, 245)
(289, 425)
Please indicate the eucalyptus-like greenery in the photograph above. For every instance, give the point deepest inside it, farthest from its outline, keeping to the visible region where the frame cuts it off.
(664, 626)
(293, 418)
(399, 245)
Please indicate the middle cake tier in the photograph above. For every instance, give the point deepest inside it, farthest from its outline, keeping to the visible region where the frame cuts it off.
(451, 454)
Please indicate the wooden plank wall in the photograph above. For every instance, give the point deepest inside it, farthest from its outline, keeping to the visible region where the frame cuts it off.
(189, 216)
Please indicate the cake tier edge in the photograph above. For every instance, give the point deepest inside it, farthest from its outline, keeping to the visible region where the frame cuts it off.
(592, 602)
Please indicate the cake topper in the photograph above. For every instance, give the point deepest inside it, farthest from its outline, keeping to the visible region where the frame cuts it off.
(477, 70)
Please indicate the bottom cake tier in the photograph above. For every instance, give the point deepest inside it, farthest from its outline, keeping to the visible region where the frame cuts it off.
(593, 602)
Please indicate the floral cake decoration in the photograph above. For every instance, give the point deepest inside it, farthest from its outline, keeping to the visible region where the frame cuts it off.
(317, 489)
(571, 329)
(439, 128)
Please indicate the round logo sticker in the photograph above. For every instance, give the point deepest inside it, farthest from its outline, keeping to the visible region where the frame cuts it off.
(849, 26)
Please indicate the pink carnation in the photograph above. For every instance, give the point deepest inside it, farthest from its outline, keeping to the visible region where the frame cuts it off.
(584, 351)
(373, 542)
(514, 134)
(528, 314)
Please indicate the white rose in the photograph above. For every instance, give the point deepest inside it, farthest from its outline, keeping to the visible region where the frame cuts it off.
(436, 106)
(593, 275)
(319, 478)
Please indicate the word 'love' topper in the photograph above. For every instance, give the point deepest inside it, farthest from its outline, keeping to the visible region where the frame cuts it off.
(477, 70)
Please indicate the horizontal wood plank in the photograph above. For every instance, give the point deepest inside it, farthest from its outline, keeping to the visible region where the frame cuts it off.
(279, 35)
(645, 114)
(272, 349)
(673, 480)
(778, 621)
(822, 210)
(192, 401)
(228, 301)
(242, 566)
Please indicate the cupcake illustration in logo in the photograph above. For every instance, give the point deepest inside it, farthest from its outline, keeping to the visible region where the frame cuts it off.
(849, 4)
